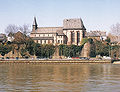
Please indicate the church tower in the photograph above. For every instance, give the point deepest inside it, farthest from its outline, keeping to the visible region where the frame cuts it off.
(34, 25)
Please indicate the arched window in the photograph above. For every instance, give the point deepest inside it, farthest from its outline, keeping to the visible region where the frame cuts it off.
(72, 37)
(78, 37)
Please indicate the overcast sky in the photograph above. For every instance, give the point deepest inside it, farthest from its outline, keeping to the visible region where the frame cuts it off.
(96, 14)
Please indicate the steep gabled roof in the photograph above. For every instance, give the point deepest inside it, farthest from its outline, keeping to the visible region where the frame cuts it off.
(75, 23)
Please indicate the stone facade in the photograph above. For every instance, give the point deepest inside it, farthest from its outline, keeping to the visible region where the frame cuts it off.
(72, 32)
(114, 38)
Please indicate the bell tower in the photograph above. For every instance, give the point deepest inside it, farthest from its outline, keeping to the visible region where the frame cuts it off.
(34, 25)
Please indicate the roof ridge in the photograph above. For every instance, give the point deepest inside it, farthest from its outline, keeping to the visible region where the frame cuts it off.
(50, 27)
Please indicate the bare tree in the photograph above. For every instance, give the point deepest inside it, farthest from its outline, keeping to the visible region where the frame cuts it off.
(114, 36)
(24, 29)
(115, 29)
(11, 29)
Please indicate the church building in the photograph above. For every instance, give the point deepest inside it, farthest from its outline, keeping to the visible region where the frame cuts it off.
(72, 32)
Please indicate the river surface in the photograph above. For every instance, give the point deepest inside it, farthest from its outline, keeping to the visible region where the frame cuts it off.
(59, 78)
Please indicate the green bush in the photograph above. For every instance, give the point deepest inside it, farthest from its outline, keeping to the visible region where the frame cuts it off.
(4, 49)
(70, 50)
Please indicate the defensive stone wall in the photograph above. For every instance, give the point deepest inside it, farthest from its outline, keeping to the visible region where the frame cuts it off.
(86, 50)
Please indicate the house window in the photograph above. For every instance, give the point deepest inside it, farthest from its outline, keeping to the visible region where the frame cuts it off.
(48, 41)
(44, 41)
(58, 41)
(61, 41)
(52, 41)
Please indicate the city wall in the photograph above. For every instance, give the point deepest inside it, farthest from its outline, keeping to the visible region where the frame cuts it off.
(56, 61)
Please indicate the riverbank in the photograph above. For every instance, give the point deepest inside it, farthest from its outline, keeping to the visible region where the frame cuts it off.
(56, 61)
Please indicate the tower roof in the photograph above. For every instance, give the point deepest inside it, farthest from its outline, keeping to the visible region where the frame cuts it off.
(34, 21)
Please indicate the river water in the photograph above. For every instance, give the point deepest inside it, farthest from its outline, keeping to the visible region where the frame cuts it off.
(59, 78)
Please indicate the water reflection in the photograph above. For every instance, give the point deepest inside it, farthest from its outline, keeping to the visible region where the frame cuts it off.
(70, 78)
